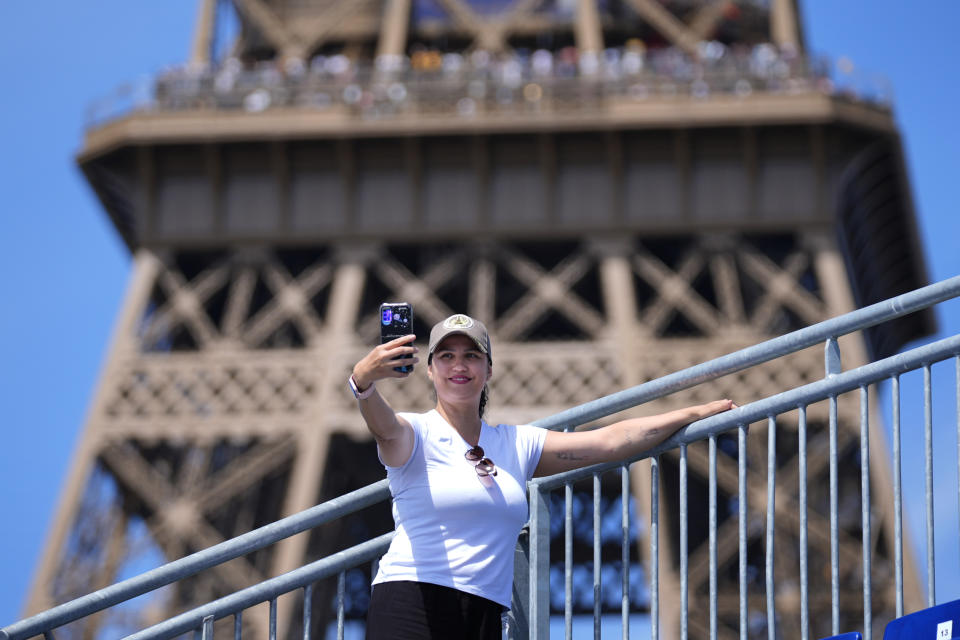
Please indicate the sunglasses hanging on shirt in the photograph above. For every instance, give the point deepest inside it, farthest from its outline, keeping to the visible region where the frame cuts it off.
(482, 465)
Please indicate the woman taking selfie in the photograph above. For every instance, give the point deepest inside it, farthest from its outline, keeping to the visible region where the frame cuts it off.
(459, 484)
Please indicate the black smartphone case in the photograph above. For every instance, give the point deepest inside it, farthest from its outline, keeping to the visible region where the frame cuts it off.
(396, 320)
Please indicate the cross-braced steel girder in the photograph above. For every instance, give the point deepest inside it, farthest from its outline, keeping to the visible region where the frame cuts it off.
(387, 28)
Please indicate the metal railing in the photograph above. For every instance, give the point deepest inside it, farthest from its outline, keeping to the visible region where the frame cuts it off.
(531, 608)
(498, 87)
(738, 420)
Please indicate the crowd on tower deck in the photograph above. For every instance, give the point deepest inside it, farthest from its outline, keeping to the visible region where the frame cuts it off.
(471, 83)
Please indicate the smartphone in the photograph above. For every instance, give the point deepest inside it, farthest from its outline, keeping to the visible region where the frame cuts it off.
(396, 320)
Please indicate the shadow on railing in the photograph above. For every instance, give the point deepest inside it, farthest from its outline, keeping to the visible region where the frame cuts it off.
(531, 611)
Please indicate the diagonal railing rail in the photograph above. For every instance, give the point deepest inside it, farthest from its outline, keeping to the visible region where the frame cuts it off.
(530, 616)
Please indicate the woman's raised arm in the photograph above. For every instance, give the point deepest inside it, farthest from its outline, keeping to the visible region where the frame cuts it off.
(393, 434)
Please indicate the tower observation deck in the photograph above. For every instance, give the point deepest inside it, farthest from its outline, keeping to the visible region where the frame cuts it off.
(618, 188)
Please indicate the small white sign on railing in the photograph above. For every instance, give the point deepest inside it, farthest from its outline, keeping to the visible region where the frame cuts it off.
(945, 630)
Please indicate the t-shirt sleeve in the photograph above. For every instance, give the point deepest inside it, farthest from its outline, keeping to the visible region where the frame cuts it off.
(530, 441)
(416, 421)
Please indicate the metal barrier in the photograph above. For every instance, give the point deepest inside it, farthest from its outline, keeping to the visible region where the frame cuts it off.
(498, 87)
(828, 389)
(531, 610)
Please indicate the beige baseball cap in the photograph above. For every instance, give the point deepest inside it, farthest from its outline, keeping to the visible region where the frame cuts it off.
(461, 324)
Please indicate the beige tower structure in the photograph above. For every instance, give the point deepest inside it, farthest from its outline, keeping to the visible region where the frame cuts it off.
(619, 189)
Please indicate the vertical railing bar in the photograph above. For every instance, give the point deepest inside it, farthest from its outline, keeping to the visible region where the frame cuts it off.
(307, 610)
(341, 591)
(568, 561)
(713, 537)
(832, 366)
(238, 625)
(625, 551)
(897, 495)
(568, 557)
(207, 633)
(834, 544)
(538, 615)
(684, 542)
(928, 473)
(654, 548)
(802, 485)
(273, 619)
(771, 506)
(866, 528)
(957, 396)
(597, 594)
(742, 525)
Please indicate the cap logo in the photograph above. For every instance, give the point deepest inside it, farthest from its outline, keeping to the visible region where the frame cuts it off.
(458, 321)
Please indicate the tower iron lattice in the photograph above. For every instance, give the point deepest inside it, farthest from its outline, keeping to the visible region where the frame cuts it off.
(618, 189)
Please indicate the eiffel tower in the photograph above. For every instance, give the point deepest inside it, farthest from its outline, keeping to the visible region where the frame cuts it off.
(619, 189)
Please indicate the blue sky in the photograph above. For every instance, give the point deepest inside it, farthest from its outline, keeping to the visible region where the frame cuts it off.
(65, 269)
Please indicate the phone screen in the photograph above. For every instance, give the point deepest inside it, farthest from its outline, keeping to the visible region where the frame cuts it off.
(396, 320)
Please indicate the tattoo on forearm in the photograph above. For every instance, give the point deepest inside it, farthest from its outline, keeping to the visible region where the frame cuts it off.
(567, 455)
(641, 439)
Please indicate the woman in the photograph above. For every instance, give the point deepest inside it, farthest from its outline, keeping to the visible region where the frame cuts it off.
(459, 484)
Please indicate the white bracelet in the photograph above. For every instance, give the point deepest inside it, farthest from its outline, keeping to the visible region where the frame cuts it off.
(355, 388)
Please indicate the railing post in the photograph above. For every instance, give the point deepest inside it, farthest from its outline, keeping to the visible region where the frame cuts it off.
(625, 546)
(831, 357)
(833, 367)
(307, 612)
(742, 527)
(518, 618)
(865, 515)
(207, 628)
(655, 548)
(684, 549)
(771, 525)
(539, 587)
(928, 484)
(804, 551)
(712, 541)
(897, 494)
(597, 585)
(529, 617)
(957, 396)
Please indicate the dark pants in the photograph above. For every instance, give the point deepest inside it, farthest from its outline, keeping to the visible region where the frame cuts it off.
(422, 611)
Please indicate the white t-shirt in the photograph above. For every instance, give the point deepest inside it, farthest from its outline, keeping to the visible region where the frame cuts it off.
(454, 528)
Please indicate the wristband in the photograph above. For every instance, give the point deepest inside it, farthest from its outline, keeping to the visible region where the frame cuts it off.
(360, 395)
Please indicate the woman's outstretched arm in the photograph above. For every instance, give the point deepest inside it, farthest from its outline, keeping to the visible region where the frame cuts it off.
(393, 434)
(563, 451)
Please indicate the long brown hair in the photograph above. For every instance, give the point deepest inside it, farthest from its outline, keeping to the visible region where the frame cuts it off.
(483, 400)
